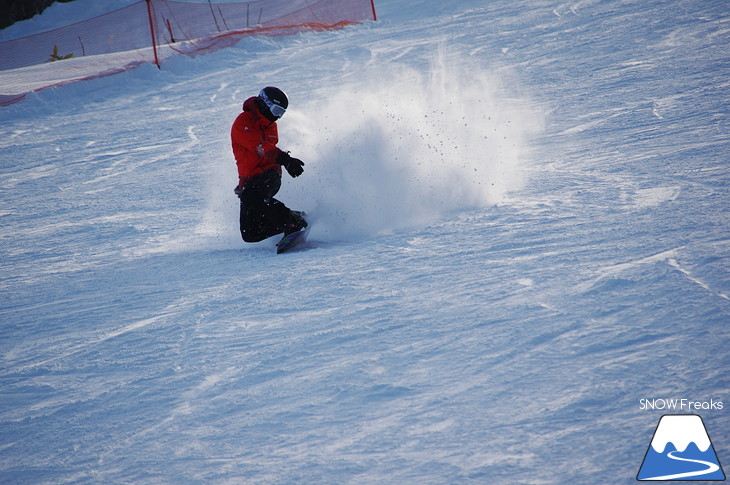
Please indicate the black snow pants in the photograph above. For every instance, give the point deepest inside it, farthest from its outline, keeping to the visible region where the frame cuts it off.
(262, 216)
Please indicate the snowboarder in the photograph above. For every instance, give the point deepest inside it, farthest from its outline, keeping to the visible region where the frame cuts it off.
(254, 136)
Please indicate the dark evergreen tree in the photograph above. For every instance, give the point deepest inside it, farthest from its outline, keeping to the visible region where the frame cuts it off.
(14, 10)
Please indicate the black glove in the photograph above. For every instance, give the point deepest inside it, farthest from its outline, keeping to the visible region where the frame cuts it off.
(292, 165)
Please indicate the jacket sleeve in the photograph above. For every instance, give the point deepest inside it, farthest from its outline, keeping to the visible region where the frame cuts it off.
(268, 148)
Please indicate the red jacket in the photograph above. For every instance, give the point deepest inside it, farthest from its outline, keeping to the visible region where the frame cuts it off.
(254, 140)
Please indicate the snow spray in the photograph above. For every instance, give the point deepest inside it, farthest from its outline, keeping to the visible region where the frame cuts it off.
(403, 147)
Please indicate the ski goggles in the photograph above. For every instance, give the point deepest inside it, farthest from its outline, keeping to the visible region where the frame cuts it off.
(275, 109)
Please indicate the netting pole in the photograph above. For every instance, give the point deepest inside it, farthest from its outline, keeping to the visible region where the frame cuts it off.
(152, 32)
(372, 5)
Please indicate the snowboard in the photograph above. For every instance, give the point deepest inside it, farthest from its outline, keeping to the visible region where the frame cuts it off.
(293, 240)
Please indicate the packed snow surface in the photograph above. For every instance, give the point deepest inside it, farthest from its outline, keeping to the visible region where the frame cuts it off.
(521, 230)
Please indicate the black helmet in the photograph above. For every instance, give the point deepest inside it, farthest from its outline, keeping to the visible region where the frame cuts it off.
(272, 103)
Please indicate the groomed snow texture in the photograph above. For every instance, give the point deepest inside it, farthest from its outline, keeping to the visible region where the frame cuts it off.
(521, 228)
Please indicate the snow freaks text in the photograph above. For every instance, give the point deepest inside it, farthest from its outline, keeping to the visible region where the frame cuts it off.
(679, 404)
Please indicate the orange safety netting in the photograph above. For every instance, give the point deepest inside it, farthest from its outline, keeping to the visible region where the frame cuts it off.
(153, 30)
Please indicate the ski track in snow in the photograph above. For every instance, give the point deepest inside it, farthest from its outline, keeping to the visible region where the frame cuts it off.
(711, 468)
(520, 230)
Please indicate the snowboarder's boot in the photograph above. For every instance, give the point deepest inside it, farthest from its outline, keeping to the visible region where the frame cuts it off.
(296, 222)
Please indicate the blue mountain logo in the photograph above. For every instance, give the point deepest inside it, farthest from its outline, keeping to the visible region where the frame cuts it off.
(681, 450)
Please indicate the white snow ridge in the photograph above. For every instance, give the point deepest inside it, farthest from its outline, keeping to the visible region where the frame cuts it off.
(681, 430)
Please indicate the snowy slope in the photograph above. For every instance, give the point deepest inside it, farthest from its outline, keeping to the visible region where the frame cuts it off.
(521, 230)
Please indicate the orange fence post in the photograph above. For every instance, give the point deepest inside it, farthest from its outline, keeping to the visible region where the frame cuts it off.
(152, 32)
